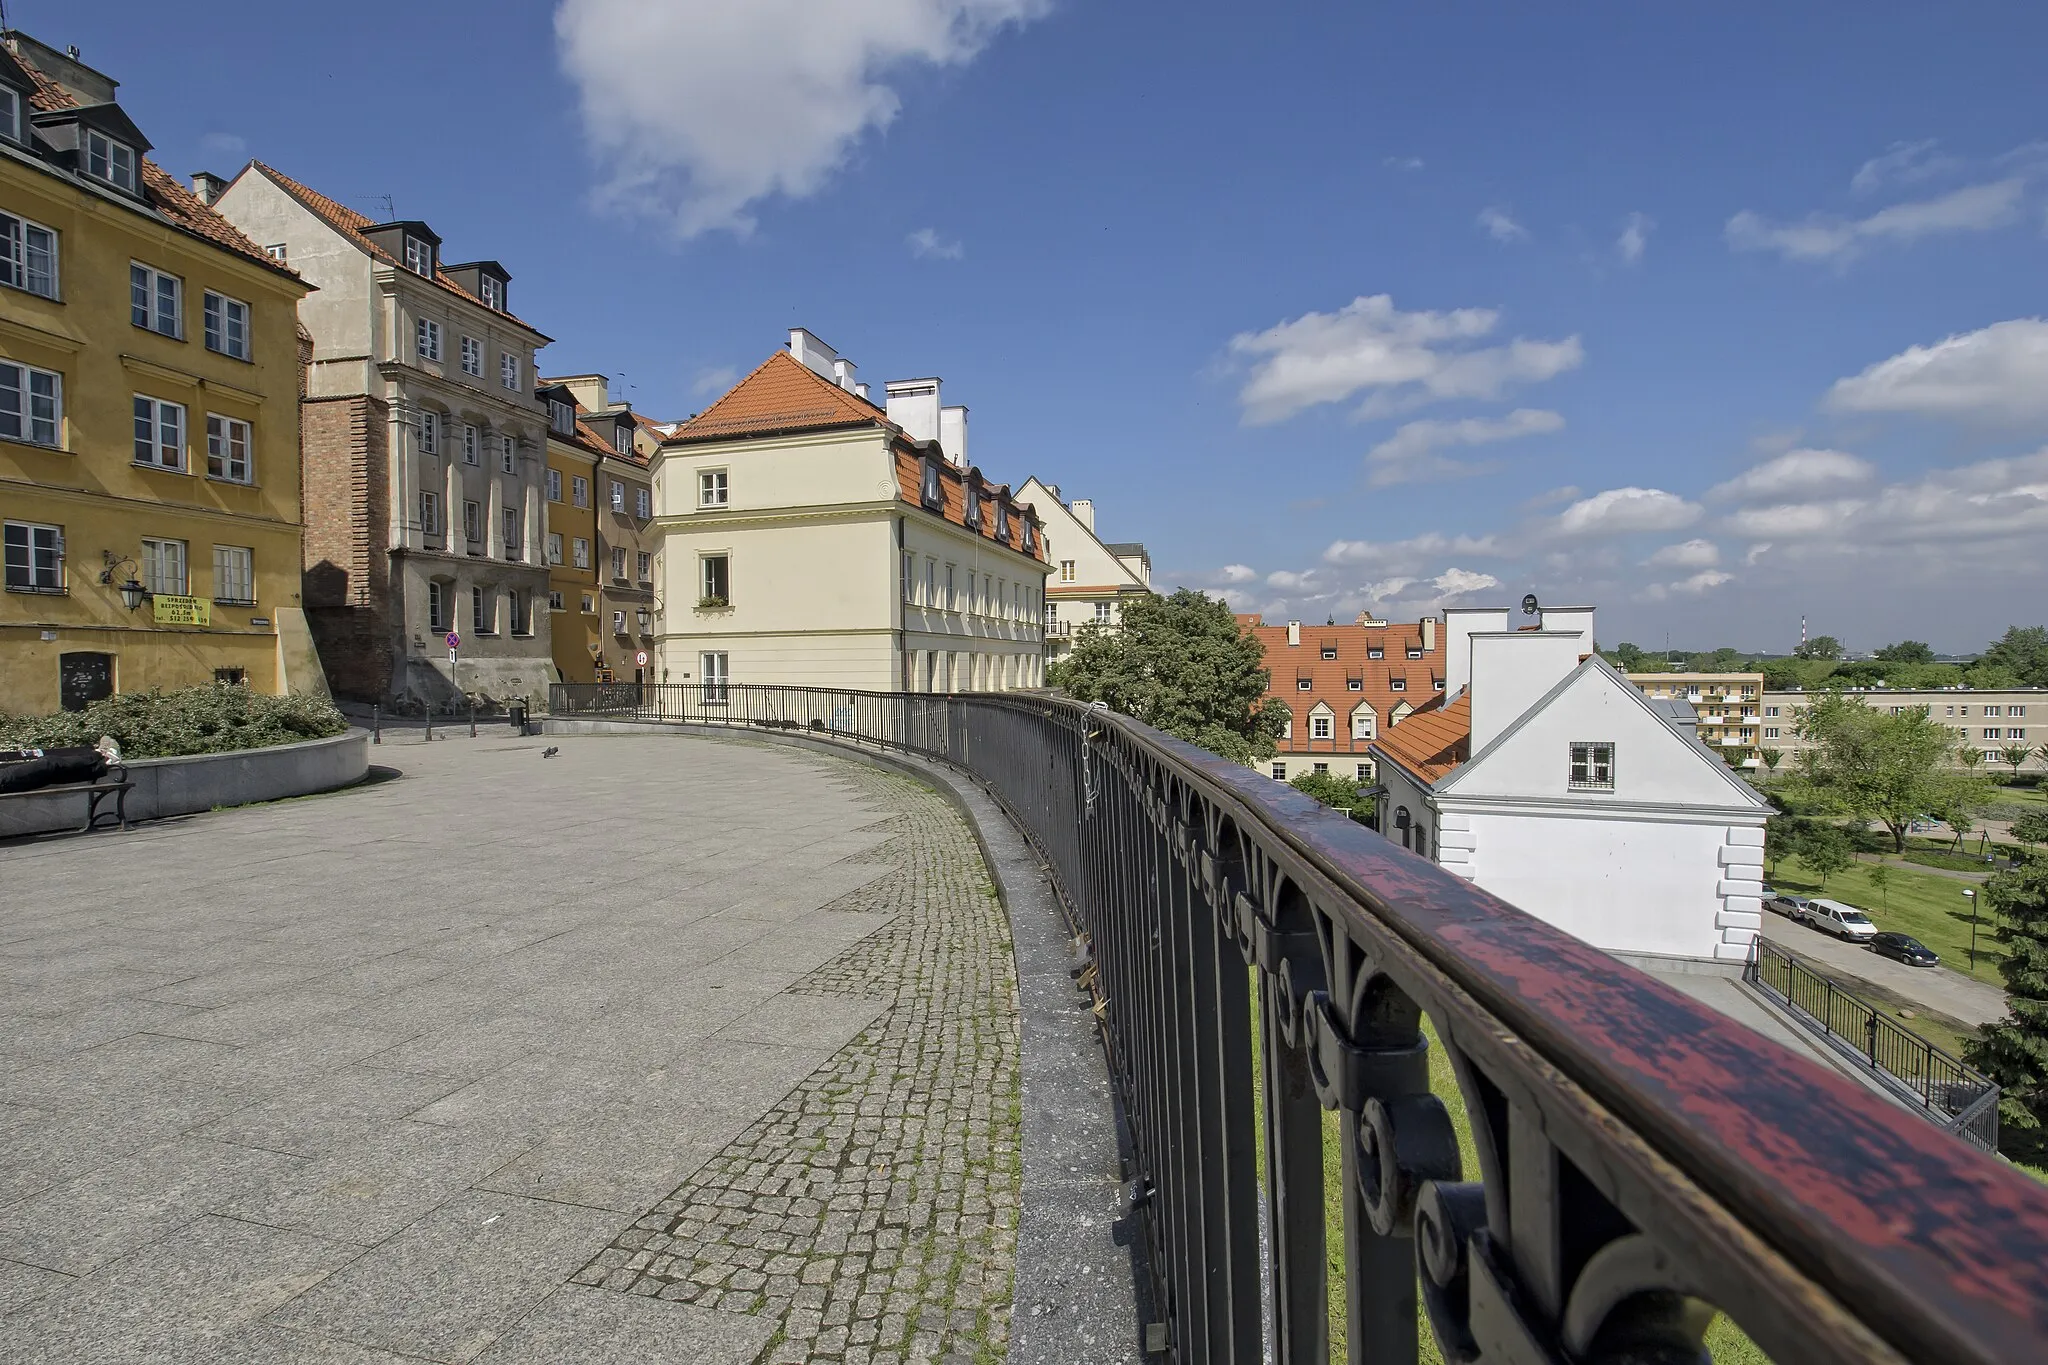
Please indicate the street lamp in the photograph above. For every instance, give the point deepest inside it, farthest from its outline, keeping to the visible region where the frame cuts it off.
(1972, 894)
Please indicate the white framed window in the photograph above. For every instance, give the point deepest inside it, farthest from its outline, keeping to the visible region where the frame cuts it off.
(717, 578)
(932, 492)
(579, 552)
(1770, 732)
(277, 251)
(1397, 684)
(555, 602)
(426, 338)
(2016, 712)
(234, 575)
(717, 676)
(419, 256)
(31, 404)
(227, 326)
(155, 300)
(643, 504)
(438, 618)
(1303, 684)
(909, 576)
(554, 485)
(589, 604)
(34, 557)
(228, 449)
(619, 563)
(430, 433)
(618, 496)
(159, 433)
(1361, 725)
(508, 454)
(2015, 733)
(1354, 684)
(1414, 653)
(1066, 571)
(1989, 710)
(952, 598)
(931, 580)
(1279, 772)
(1991, 732)
(643, 567)
(618, 623)
(108, 160)
(1318, 727)
(482, 612)
(163, 567)
(28, 255)
(579, 490)
(1102, 613)
(511, 516)
(10, 113)
(508, 370)
(554, 547)
(1319, 767)
(430, 514)
(1591, 766)
(1375, 652)
(494, 294)
(472, 521)
(1329, 651)
(472, 357)
(562, 417)
(472, 443)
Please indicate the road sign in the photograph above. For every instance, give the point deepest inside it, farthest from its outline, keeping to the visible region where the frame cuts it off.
(451, 656)
(454, 640)
(641, 658)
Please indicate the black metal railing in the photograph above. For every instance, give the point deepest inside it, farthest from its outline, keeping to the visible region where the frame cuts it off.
(1639, 1156)
(1962, 1100)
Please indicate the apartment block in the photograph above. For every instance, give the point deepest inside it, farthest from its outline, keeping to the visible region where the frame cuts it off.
(1726, 705)
(1989, 720)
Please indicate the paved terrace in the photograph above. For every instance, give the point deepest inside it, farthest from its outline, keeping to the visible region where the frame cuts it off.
(670, 1050)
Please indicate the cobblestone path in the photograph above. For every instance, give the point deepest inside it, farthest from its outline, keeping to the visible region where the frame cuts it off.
(872, 1214)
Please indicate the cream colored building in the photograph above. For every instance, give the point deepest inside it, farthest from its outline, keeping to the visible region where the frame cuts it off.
(1991, 720)
(1088, 581)
(811, 537)
(1726, 704)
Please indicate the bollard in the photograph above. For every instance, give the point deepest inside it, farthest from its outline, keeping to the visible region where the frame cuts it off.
(376, 724)
(472, 719)
(430, 723)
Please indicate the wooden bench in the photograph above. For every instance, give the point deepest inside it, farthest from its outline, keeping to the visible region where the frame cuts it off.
(114, 784)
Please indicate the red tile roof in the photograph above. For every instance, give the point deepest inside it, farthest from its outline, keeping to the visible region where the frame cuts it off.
(1431, 743)
(1330, 679)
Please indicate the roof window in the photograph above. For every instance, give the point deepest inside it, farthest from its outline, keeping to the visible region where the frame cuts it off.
(419, 256)
(109, 160)
(10, 113)
(1329, 650)
(493, 292)
(561, 417)
(931, 492)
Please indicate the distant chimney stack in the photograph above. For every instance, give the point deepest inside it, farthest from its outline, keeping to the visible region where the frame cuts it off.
(953, 434)
(1294, 632)
(842, 373)
(1084, 512)
(816, 356)
(913, 404)
(1428, 634)
(861, 389)
(207, 187)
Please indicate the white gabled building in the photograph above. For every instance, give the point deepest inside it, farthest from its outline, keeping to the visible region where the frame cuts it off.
(1549, 779)
(1088, 580)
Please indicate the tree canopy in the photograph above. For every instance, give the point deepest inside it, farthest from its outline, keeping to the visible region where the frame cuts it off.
(1819, 647)
(2014, 1050)
(1891, 768)
(1906, 652)
(1182, 665)
(1337, 791)
(2023, 652)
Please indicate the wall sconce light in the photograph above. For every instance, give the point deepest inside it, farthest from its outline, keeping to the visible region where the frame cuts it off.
(133, 594)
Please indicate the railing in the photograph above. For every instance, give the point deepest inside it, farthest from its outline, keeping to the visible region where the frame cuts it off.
(1639, 1156)
(1961, 1100)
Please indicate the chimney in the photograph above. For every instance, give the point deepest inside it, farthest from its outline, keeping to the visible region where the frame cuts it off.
(842, 373)
(913, 404)
(1511, 671)
(861, 390)
(1460, 624)
(816, 356)
(953, 434)
(1053, 489)
(206, 186)
(1294, 632)
(1428, 634)
(1084, 512)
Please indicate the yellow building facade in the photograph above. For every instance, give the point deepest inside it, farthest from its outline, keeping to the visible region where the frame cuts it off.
(572, 549)
(149, 423)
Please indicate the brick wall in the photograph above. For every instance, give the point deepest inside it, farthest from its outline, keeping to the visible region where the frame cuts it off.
(347, 572)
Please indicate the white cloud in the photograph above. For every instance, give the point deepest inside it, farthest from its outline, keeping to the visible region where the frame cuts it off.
(1977, 505)
(1287, 581)
(1457, 582)
(1409, 455)
(1635, 238)
(1500, 227)
(700, 109)
(1796, 473)
(926, 244)
(1687, 554)
(1974, 208)
(1903, 163)
(1404, 553)
(1999, 373)
(715, 379)
(1402, 163)
(1238, 573)
(1619, 511)
(1400, 360)
(1698, 585)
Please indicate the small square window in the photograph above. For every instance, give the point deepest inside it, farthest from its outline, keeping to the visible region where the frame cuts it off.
(1279, 772)
(1303, 684)
(1329, 651)
(712, 488)
(1591, 767)
(1398, 684)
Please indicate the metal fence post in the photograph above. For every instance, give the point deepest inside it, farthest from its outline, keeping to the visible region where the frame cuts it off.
(376, 724)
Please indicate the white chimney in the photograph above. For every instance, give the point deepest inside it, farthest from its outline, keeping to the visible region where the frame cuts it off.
(953, 434)
(1294, 632)
(1511, 671)
(913, 404)
(842, 373)
(861, 389)
(816, 356)
(207, 187)
(1084, 512)
(1460, 624)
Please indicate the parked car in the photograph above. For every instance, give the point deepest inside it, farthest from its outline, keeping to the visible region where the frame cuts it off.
(1833, 917)
(1769, 892)
(1785, 903)
(1904, 948)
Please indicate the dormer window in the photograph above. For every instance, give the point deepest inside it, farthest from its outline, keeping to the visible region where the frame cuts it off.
(1355, 683)
(108, 160)
(1030, 538)
(494, 293)
(622, 438)
(10, 113)
(1376, 653)
(562, 417)
(419, 256)
(1399, 684)
(1414, 653)
(1003, 522)
(932, 493)
(971, 486)
(1329, 651)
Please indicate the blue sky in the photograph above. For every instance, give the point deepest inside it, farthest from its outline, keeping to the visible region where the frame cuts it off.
(1709, 315)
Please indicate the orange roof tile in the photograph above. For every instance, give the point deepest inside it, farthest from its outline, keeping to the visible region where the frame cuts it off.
(782, 394)
(1330, 679)
(1431, 743)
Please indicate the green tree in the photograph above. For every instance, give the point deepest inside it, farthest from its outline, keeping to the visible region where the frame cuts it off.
(1826, 850)
(1341, 793)
(2014, 1050)
(1180, 664)
(2031, 828)
(1771, 758)
(1781, 676)
(1819, 647)
(2024, 651)
(1961, 823)
(1881, 878)
(2014, 755)
(1630, 659)
(1881, 766)
(1906, 652)
(1970, 756)
(1783, 835)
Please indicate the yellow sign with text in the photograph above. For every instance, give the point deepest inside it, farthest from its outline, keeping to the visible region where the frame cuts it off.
(183, 611)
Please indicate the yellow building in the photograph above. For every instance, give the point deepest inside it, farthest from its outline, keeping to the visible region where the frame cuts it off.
(572, 548)
(149, 419)
(1726, 704)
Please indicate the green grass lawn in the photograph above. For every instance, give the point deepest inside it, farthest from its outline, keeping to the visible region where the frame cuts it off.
(1930, 908)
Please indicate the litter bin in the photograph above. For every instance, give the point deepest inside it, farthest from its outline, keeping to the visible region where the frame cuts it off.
(516, 714)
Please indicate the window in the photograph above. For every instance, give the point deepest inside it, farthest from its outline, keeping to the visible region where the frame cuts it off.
(931, 582)
(430, 514)
(10, 114)
(619, 563)
(1279, 772)
(430, 433)
(227, 449)
(2016, 712)
(1066, 571)
(1318, 727)
(521, 624)
(1375, 652)
(277, 251)
(227, 327)
(154, 300)
(437, 606)
(1773, 711)
(1991, 732)
(1592, 767)
(952, 597)
(494, 293)
(163, 567)
(471, 444)
(1303, 684)
(508, 454)
(28, 256)
(472, 357)
(31, 404)
(419, 256)
(643, 504)
(508, 370)
(554, 485)
(1354, 684)
(480, 612)
(472, 520)
(909, 576)
(1397, 684)
(618, 623)
(1102, 613)
(1329, 651)
(1364, 772)
(1770, 732)
(930, 491)
(717, 578)
(159, 433)
(589, 604)
(716, 676)
(234, 575)
(562, 417)
(579, 490)
(618, 496)
(643, 567)
(555, 602)
(108, 160)
(579, 552)
(1320, 767)
(554, 547)
(426, 338)
(1414, 653)
(511, 532)
(1361, 725)
(34, 557)
(1991, 710)
(2015, 734)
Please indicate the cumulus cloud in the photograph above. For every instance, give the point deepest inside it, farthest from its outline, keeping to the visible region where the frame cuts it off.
(1903, 163)
(700, 109)
(1698, 585)
(1621, 511)
(1410, 454)
(1982, 504)
(1999, 373)
(1406, 553)
(1501, 227)
(1820, 237)
(1795, 473)
(1687, 554)
(1635, 238)
(927, 245)
(1458, 582)
(1399, 360)
(1238, 573)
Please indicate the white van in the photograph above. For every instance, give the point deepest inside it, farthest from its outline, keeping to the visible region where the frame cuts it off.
(1843, 921)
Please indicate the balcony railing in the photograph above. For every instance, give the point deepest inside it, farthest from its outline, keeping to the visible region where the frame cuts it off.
(1639, 1156)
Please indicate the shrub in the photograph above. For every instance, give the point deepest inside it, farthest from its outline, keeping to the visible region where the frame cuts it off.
(210, 719)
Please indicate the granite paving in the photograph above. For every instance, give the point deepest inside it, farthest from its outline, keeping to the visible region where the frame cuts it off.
(672, 1050)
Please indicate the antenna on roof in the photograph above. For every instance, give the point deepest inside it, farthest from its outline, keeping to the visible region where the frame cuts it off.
(390, 205)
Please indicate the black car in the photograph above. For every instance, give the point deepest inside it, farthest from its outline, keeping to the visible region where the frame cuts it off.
(1904, 948)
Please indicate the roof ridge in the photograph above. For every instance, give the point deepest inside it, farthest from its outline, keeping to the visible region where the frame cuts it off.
(732, 414)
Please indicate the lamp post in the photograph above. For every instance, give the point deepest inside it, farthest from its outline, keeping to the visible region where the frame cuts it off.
(1972, 894)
